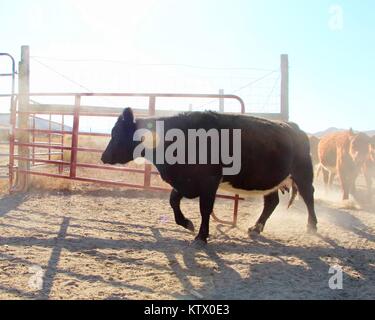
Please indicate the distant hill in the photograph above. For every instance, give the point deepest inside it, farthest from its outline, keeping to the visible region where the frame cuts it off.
(320, 134)
(41, 124)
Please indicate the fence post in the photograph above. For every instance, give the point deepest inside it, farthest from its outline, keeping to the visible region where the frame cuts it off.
(61, 166)
(284, 95)
(33, 139)
(148, 167)
(73, 152)
(13, 115)
(221, 101)
(23, 117)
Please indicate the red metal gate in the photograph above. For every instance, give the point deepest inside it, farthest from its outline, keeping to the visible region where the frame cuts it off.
(77, 111)
(6, 129)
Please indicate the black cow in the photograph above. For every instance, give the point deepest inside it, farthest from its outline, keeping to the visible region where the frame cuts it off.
(272, 154)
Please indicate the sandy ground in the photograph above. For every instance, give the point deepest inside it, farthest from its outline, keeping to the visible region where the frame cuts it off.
(123, 244)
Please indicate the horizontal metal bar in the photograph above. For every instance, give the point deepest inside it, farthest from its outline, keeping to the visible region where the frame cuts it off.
(145, 95)
(57, 162)
(116, 183)
(42, 146)
(86, 165)
(6, 74)
(93, 113)
(85, 110)
(42, 131)
(48, 153)
(40, 165)
(51, 175)
(127, 94)
(48, 144)
(82, 114)
(113, 168)
(36, 145)
(90, 150)
(38, 154)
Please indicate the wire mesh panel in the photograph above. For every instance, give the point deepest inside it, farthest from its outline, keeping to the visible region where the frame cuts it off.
(259, 88)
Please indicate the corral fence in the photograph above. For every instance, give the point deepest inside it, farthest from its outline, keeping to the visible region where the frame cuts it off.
(23, 133)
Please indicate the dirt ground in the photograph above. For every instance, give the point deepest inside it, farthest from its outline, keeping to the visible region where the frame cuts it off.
(91, 243)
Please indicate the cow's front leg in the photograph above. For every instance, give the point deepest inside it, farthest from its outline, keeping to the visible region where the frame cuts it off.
(206, 205)
(345, 185)
(175, 201)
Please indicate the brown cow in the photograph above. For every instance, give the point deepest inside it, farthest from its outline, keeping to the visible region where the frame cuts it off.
(369, 166)
(343, 153)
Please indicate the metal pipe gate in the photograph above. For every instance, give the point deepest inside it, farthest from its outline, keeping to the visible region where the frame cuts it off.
(77, 111)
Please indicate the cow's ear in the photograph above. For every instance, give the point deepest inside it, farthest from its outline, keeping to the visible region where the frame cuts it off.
(128, 116)
(351, 132)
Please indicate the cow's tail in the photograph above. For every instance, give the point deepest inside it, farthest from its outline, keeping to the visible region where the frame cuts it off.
(293, 195)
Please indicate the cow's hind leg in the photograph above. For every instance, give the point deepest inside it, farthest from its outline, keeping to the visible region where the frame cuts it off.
(326, 176)
(270, 203)
(332, 176)
(303, 177)
(175, 201)
(345, 184)
(369, 185)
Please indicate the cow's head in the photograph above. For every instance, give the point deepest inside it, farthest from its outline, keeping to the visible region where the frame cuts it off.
(359, 148)
(120, 148)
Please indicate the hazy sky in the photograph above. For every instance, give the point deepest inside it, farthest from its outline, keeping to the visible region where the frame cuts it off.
(330, 46)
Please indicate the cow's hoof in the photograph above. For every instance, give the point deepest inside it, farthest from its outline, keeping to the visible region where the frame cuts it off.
(199, 244)
(190, 226)
(312, 229)
(256, 230)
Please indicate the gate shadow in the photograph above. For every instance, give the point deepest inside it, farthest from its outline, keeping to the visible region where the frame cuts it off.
(11, 202)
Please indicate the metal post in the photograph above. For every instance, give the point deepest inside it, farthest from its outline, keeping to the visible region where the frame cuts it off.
(13, 74)
(221, 101)
(49, 135)
(235, 209)
(11, 141)
(73, 156)
(11, 123)
(33, 139)
(148, 167)
(61, 167)
(284, 95)
(23, 119)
